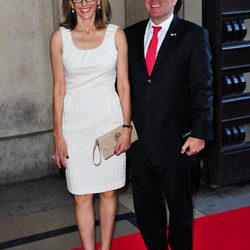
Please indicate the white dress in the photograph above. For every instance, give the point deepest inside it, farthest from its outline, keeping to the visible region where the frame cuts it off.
(91, 108)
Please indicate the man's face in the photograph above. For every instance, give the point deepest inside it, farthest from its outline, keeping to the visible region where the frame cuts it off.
(159, 10)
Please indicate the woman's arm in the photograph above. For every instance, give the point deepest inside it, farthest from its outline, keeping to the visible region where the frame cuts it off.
(59, 89)
(123, 88)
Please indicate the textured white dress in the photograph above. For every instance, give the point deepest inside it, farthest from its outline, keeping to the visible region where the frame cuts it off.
(91, 108)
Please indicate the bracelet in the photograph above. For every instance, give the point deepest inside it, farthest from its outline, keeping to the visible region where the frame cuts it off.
(127, 126)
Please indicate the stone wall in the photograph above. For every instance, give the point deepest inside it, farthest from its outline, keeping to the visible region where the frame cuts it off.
(26, 143)
(25, 95)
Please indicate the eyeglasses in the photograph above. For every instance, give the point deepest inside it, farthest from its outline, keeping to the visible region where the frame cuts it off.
(80, 1)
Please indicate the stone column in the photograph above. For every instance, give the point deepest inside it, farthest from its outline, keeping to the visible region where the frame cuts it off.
(25, 96)
(192, 11)
(134, 11)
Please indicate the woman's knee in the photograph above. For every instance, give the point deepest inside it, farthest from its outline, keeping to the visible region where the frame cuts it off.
(83, 199)
(108, 194)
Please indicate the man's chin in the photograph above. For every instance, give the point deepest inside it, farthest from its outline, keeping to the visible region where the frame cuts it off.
(158, 18)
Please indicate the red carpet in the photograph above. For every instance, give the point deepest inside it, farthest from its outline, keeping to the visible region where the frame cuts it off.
(222, 231)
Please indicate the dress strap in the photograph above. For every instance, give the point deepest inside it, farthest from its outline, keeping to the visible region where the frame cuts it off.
(110, 36)
(111, 29)
(66, 33)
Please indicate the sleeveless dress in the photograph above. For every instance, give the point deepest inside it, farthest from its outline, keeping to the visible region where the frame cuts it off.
(91, 109)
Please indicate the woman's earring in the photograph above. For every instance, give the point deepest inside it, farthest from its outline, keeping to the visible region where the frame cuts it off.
(73, 10)
(99, 7)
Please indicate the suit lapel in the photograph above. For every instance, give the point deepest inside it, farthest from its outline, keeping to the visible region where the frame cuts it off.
(169, 42)
(140, 44)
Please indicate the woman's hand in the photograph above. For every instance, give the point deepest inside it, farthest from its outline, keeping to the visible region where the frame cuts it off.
(124, 141)
(61, 152)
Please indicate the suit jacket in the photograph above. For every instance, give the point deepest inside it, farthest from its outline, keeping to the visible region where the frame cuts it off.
(175, 101)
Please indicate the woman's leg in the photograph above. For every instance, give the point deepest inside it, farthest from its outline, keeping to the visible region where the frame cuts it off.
(86, 220)
(108, 203)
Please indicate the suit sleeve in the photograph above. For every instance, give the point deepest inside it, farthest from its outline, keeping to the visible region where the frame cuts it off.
(200, 79)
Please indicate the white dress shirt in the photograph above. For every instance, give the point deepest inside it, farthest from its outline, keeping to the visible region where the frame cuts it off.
(161, 35)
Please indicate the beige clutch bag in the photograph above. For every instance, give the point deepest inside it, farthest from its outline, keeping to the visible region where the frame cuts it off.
(106, 143)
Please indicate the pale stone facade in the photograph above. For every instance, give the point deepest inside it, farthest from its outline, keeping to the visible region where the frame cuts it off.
(26, 83)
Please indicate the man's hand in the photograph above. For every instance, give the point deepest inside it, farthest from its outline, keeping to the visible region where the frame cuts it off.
(192, 146)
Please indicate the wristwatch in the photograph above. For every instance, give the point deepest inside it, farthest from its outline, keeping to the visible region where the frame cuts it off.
(127, 126)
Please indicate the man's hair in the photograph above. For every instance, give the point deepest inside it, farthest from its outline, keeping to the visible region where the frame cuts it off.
(177, 6)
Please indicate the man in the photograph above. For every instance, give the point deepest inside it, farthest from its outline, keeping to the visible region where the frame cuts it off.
(171, 86)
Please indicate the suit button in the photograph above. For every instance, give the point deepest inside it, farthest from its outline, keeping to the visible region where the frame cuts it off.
(149, 81)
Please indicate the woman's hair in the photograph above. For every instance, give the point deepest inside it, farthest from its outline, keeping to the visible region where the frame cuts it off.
(102, 17)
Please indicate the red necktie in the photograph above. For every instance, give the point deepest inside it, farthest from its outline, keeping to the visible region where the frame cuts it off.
(151, 53)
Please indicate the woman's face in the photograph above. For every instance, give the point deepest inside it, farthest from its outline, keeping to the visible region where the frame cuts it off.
(86, 10)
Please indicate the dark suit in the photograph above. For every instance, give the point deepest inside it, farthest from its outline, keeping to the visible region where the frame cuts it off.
(174, 102)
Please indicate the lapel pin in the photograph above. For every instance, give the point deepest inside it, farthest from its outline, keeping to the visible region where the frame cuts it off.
(173, 34)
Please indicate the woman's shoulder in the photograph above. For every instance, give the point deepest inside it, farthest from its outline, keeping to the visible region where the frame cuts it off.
(59, 32)
(56, 41)
(63, 29)
(56, 35)
(60, 36)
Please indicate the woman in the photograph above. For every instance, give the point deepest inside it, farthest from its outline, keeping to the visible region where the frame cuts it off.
(87, 56)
